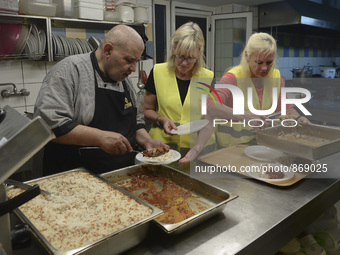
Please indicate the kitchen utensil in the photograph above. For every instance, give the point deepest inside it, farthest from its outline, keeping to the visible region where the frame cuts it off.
(30, 136)
(140, 15)
(327, 71)
(140, 84)
(126, 13)
(269, 137)
(26, 186)
(9, 35)
(38, 8)
(235, 157)
(7, 206)
(274, 114)
(88, 10)
(262, 153)
(191, 127)
(98, 148)
(65, 8)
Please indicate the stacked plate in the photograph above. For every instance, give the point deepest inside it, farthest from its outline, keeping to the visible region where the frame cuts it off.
(35, 44)
(63, 46)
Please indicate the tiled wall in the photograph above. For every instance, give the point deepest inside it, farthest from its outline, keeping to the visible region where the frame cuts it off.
(30, 74)
(296, 51)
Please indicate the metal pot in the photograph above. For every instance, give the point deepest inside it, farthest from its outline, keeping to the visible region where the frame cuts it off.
(305, 72)
(298, 73)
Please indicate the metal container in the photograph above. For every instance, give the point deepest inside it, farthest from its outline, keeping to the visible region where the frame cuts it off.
(269, 137)
(20, 139)
(65, 8)
(207, 193)
(114, 243)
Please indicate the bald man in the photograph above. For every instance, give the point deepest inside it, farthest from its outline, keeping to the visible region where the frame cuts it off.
(91, 106)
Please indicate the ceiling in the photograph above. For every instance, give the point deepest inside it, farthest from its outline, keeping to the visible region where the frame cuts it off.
(215, 3)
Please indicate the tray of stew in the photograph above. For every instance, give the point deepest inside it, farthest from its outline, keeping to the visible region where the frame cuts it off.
(185, 201)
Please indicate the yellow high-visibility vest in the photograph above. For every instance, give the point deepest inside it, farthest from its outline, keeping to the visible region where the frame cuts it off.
(169, 104)
(228, 135)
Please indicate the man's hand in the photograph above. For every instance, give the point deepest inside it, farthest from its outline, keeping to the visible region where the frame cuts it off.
(114, 143)
(155, 144)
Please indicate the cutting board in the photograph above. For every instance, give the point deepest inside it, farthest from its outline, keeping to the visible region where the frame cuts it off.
(235, 156)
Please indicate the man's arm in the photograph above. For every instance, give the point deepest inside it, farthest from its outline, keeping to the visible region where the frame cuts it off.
(110, 142)
(144, 139)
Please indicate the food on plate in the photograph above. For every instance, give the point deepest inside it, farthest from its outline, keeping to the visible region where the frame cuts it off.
(270, 171)
(84, 210)
(158, 154)
(155, 152)
(177, 203)
(304, 139)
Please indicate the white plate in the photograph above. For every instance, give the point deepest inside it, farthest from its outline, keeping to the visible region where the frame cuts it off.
(260, 175)
(190, 127)
(175, 156)
(262, 153)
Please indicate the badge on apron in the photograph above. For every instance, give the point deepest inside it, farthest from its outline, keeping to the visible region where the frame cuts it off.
(127, 104)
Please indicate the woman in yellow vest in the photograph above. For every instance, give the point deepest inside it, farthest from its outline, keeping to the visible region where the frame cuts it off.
(171, 86)
(257, 70)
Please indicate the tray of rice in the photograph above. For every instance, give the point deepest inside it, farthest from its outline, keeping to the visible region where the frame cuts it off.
(87, 215)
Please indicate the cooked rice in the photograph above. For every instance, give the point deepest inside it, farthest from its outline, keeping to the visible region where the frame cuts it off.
(164, 157)
(84, 210)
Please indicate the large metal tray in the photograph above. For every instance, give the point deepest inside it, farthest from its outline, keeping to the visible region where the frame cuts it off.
(212, 195)
(114, 243)
(269, 137)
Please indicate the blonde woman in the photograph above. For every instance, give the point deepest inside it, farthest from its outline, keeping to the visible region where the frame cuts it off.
(257, 70)
(167, 98)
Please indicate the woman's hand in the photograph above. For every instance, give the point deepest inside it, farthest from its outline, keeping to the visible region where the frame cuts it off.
(190, 156)
(167, 124)
(303, 120)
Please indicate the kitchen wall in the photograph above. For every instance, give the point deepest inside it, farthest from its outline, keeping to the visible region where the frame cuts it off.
(30, 74)
(293, 51)
(296, 51)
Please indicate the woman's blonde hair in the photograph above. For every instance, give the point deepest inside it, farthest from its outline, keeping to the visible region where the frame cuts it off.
(188, 40)
(260, 43)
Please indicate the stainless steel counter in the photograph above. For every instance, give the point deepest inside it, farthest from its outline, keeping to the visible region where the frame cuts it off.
(260, 221)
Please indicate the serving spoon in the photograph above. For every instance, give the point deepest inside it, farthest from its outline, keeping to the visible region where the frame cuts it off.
(26, 186)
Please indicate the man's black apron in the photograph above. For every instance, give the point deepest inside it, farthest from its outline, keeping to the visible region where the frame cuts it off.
(114, 112)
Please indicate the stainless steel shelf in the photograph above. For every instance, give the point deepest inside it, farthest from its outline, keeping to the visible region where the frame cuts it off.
(46, 23)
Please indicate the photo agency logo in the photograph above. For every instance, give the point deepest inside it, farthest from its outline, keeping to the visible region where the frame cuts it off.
(239, 103)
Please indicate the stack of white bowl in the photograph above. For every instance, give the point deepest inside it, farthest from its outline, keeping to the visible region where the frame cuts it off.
(89, 9)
